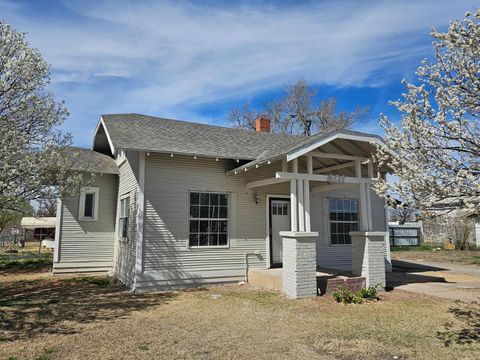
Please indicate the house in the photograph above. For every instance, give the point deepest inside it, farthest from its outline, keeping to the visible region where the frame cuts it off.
(40, 229)
(450, 220)
(174, 204)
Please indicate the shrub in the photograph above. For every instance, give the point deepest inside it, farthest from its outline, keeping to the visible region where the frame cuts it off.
(343, 295)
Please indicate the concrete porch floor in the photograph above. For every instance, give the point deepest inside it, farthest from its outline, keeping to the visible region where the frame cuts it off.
(328, 280)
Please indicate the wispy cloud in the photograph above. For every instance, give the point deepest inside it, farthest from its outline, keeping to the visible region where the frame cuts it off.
(167, 57)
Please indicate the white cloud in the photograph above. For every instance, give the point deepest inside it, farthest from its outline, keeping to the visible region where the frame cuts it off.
(177, 54)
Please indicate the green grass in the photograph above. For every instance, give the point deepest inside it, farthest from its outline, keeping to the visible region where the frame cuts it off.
(476, 259)
(25, 259)
(422, 247)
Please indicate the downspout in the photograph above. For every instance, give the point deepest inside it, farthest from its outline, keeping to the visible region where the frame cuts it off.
(245, 257)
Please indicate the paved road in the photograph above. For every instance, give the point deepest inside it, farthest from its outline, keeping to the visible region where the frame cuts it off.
(450, 281)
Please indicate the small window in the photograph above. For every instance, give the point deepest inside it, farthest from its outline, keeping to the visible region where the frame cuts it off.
(88, 207)
(343, 219)
(208, 217)
(279, 207)
(123, 218)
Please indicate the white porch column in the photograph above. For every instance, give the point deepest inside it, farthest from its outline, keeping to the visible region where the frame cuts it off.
(363, 197)
(301, 209)
(294, 198)
(306, 205)
(293, 205)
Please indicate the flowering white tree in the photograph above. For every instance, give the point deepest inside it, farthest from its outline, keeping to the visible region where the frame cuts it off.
(31, 156)
(437, 143)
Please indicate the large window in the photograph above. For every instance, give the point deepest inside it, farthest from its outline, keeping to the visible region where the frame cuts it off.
(343, 219)
(88, 207)
(208, 219)
(123, 218)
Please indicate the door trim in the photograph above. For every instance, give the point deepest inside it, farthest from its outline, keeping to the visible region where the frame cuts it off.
(268, 238)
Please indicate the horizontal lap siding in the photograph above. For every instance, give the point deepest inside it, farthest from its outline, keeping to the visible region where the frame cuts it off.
(124, 263)
(167, 183)
(340, 256)
(89, 244)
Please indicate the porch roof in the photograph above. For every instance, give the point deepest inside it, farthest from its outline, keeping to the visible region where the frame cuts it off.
(341, 142)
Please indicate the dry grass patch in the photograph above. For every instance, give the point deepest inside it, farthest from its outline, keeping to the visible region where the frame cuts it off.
(96, 319)
(455, 256)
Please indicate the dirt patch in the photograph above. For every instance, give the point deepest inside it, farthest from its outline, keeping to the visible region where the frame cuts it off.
(452, 277)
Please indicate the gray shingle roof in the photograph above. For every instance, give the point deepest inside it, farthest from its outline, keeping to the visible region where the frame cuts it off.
(141, 132)
(91, 161)
(149, 133)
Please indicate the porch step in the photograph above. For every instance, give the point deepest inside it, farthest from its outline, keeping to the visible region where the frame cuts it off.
(327, 281)
(330, 284)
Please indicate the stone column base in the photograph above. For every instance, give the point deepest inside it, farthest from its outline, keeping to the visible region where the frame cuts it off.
(299, 264)
(368, 257)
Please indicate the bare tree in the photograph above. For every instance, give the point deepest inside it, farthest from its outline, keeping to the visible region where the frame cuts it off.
(295, 112)
(403, 214)
(47, 207)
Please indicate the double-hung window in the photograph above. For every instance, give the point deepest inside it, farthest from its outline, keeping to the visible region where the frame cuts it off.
(88, 207)
(208, 219)
(123, 218)
(343, 219)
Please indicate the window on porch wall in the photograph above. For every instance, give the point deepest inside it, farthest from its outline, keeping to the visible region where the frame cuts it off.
(343, 219)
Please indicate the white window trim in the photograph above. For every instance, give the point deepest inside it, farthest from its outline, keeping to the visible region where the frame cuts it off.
(81, 208)
(123, 197)
(206, 247)
(329, 221)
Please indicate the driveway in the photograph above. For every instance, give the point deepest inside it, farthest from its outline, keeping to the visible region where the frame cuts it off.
(449, 281)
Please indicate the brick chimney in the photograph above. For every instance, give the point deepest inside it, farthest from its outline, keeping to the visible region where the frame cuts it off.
(262, 124)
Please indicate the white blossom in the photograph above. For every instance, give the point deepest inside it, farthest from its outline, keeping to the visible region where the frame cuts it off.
(32, 163)
(437, 143)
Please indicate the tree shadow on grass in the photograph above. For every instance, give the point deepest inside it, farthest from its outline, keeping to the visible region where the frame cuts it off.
(468, 331)
(55, 306)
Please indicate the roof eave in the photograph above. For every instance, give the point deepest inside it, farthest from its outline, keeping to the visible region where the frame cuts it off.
(101, 122)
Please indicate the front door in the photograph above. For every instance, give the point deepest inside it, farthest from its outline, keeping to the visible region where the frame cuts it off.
(279, 221)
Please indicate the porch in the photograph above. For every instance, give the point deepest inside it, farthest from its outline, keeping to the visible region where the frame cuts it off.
(328, 280)
(334, 219)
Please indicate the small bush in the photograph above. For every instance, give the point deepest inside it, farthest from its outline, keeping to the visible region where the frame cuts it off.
(343, 295)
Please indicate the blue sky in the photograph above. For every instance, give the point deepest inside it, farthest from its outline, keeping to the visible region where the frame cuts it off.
(196, 60)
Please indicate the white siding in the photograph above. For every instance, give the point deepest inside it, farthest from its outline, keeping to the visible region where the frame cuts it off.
(125, 250)
(168, 259)
(88, 245)
(339, 256)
